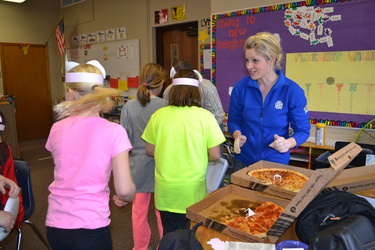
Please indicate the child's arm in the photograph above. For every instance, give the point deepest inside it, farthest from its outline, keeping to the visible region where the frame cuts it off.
(214, 153)
(123, 181)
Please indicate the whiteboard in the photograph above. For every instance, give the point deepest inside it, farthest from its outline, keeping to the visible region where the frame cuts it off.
(119, 58)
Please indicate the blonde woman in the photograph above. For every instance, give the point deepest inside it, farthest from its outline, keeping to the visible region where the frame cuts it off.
(86, 149)
(264, 104)
(134, 117)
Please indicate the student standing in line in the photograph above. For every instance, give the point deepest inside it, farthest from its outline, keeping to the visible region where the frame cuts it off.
(134, 117)
(86, 149)
(263, 106)
(210, 97)
(182, 138)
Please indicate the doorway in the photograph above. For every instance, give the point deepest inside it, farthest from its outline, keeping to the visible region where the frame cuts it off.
(26, 77)
(177, 42)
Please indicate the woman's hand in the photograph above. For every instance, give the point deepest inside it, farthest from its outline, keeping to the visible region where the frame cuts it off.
(280, 144)
(238, 143)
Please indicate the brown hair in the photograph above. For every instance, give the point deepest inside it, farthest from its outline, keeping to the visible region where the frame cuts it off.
(185, 95)
(88, 95)
(152, 77)
(266, 45)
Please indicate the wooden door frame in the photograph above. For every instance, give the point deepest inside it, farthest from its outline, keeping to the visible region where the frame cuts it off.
(159, 37)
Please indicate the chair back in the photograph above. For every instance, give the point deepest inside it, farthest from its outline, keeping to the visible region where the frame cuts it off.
(22, 169)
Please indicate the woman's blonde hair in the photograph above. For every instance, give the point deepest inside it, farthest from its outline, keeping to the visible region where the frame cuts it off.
(152, 76)
(266, 45)
(89, 96)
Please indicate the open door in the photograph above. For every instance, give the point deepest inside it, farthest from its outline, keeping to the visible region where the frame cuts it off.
(177, 42)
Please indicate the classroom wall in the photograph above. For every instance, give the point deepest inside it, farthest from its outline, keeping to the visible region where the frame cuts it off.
(33, 22)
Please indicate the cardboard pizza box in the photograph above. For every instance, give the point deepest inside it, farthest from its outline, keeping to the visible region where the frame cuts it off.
(202, 210)
(354, 179)
(241, 178)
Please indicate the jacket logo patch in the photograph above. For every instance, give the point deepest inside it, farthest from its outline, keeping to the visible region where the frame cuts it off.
(279, 105)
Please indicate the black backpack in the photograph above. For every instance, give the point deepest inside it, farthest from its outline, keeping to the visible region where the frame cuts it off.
(181, 239)
(333, 219)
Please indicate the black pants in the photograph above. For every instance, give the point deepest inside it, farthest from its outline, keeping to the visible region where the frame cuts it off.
(79, 239)
(172, 221)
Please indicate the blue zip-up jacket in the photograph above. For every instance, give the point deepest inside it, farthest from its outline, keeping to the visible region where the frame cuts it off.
(284, 104)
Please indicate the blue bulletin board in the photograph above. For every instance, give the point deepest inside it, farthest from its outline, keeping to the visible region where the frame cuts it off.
(329, 50)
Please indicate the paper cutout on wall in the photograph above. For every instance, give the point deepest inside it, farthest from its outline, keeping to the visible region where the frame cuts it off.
(123, 85)
(113, 83)
(202, 36)
(133, 82)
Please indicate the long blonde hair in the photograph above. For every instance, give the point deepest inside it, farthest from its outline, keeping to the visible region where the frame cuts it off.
(89, 96)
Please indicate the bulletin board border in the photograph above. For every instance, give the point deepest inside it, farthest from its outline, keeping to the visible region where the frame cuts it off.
(271, 8)
(204, 72)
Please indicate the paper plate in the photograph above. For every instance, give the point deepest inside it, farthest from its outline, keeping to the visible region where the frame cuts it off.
(12, 207)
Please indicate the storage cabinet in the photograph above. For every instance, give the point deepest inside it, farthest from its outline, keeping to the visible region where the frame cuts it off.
(10, 132)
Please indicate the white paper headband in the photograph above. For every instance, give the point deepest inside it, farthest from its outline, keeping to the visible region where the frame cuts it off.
(173, 72)
(185, 81)
(84, 76)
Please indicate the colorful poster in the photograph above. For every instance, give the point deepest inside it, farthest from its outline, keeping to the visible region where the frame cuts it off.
(161, 16)
(328, 88)
(178, 13)
(329, 26)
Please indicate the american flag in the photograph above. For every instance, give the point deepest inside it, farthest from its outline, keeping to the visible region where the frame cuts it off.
(60, 37)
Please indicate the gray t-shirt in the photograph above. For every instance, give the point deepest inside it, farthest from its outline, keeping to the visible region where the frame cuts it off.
(134, 119)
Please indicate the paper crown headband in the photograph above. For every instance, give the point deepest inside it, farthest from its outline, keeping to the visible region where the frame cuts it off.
(84, 76)
(2, 121)
(173, 72)
(185, 81)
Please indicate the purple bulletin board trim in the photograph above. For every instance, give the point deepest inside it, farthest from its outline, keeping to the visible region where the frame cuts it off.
(228, 65)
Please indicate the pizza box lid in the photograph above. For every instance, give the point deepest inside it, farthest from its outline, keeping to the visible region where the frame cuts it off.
(243, 179)
(343, 157)
(199, 212)
(354, 179)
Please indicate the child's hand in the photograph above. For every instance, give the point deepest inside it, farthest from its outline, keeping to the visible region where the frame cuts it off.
(118, 202)
(6, 221)
(14, 189)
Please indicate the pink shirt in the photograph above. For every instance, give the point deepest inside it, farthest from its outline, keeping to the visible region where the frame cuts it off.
(82, 148)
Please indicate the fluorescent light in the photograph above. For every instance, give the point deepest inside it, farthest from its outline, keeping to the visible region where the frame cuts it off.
(15, 1)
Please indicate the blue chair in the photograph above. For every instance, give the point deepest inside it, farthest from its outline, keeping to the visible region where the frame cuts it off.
(22, 169)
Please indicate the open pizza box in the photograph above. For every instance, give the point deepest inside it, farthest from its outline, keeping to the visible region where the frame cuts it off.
(242, 178)
(206, 210)
(354, 179)
(349, 180)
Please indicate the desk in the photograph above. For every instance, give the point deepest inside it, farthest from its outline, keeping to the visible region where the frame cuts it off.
(311, 146)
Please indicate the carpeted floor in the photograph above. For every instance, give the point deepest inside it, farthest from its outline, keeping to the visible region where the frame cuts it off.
(42, 175)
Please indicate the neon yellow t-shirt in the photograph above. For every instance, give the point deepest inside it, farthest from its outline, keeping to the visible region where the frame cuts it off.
(182, 136)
